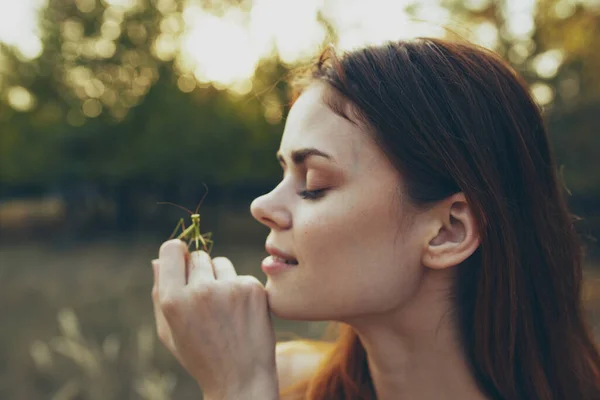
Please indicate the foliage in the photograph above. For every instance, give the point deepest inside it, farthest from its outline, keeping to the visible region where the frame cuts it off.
(110, 102)
(112, 111)
(558, 58)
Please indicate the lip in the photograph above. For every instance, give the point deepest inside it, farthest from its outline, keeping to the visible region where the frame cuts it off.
(270, 265)
(272, 250)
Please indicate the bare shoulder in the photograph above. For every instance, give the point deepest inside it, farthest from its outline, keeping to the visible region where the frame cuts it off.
(298, 360)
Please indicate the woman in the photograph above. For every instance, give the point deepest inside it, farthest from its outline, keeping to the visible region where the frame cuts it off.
(420, 209)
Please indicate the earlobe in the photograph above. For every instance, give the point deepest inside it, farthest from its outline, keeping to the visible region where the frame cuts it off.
(454, 234)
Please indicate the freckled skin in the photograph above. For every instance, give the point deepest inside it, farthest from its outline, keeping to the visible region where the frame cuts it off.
(354, 251)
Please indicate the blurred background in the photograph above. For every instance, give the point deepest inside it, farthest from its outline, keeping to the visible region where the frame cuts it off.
(109, 106)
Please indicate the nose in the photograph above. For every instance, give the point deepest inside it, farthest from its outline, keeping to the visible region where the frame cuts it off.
(266, 210)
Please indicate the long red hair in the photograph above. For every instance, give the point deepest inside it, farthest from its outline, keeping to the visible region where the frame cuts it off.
(454, 117)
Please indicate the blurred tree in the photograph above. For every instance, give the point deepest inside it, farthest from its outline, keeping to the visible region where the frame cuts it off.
(111, 104)
(107, 107)
(553, 44)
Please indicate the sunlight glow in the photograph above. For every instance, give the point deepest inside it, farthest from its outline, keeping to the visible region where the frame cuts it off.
(20, 99)
(542, 93)
(288, 26)
(564, 8)
(19, 26)
(360, 24)
(219, 47)
(125, 5)
(477, 5)
(224, 49)
(546, 64)
(486, 34)
(519, 18)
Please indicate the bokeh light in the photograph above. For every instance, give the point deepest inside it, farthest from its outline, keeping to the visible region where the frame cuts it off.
(20, 98)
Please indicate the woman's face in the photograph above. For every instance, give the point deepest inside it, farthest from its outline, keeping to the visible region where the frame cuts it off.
(357, 242)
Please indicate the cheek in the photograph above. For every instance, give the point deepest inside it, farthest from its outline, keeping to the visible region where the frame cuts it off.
(330, 237)
(357, 262)
(344, 230)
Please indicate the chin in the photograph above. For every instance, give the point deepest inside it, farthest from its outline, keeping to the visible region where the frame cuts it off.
(291, 307)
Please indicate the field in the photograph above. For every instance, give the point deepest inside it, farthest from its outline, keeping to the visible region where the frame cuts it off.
(77, 319)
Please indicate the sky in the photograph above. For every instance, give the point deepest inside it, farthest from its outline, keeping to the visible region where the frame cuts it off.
(288, 27)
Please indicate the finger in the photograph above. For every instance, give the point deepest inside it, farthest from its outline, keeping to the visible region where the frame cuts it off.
(162, 328)
(154, 268)
(171, 267)
(224, 268)
(155, 284)
(202, 269)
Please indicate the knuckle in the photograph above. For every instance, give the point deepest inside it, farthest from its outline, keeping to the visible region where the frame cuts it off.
(250, 280)
(250, 284)
(204, 293)
(231, 294)
(170, 304)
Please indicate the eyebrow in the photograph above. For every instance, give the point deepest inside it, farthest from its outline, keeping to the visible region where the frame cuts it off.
(300, 155)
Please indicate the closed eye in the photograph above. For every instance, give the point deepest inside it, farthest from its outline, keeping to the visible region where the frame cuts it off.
(312, 194)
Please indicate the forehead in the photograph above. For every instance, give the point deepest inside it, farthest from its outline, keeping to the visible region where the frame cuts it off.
(311, 123)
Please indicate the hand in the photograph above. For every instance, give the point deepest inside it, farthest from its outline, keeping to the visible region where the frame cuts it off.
(215, 322)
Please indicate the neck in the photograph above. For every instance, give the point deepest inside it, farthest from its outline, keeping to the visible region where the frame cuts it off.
(414, 352)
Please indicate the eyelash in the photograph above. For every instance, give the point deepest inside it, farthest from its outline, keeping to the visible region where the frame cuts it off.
(312, 194)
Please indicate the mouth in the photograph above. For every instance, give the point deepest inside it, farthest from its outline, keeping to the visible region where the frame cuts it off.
(290, 261)
(280, 256)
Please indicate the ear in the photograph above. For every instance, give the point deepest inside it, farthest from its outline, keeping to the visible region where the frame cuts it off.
(454, 235)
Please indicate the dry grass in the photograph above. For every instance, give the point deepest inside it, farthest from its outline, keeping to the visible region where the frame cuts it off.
(100, 292)
(82, 368)
(77, 321)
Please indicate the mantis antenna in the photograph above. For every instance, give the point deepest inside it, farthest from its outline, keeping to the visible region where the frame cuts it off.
(205, 193)
(185, 209)
(176, 205)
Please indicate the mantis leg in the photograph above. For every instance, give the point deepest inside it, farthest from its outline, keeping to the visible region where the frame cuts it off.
(204, 241)
(197, 235)
(208, 243)
(181, 224)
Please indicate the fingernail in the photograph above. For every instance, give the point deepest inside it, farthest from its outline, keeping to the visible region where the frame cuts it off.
(154, 262)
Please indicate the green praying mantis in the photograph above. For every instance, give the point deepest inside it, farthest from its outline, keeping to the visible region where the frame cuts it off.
(192, 234)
